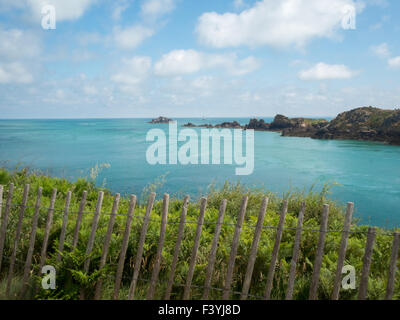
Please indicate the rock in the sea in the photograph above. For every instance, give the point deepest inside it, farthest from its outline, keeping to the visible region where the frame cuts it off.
(281, 122)
(229, 125)
(224, 125)
(258, 125)
(161, 120)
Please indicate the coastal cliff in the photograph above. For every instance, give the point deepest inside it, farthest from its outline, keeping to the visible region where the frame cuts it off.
(282, 123)
(366, 123)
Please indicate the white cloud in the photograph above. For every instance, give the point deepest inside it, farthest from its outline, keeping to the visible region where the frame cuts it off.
(249, 97)
(131, 37)
(274, 22)
(14, 72)
(394, 62)
(239, 4)
(380, 24)
(180, 62)
(245, 66)
(16, 44)
(133, 71)
(18, 48)
(90, 90)
(381, 50)
(89, 38)
(315, 97)
(151, 10)
(203, 82)
(157, 8)
(65, 10)
(119, 8)
(82, 55)
(323, 71)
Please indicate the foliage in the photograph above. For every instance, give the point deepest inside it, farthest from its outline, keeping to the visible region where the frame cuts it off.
(72, 281)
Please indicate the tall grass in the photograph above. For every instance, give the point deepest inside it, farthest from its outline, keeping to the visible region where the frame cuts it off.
(71, 279)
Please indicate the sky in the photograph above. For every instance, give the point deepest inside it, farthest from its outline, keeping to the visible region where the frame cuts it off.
(191, 58)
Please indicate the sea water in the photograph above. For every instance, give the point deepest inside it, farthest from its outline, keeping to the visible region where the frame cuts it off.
(366, 173)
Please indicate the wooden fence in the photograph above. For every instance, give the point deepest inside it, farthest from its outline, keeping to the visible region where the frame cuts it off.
(188, 286)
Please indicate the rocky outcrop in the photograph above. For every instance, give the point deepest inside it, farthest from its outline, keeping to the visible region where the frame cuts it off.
(303, 127)
(191, 125)
(281, 122)
(229, 125)
(258, 125)
(366, 123)
(161, 120)
(285, 124)
(224, 125)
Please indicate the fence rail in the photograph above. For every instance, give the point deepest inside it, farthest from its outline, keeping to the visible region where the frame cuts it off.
(227, 292)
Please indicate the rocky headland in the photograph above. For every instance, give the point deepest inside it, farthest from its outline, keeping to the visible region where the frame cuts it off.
(366, 123)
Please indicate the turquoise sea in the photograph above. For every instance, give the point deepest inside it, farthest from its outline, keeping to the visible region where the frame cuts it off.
(367, 173)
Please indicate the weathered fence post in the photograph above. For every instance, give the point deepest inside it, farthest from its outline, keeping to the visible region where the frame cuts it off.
(79, 220)
(49, 222)
(235, 245)
(124, 247)
(253, 250)
(393, 267)
(177, 248)
(213, 252)
(4, 221)
(17, 236)
(157, 262)
(92, 236)
(139, 255)
(28, 261)
(106, 245)
(275, 251)
(319, 254)
(1, 200)
(64, 227)
(369, 248)
(192, 264)
(342, 251)
(296, 251)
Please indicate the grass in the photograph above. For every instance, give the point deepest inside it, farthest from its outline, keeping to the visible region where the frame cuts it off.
(15, 288)
(71, 279)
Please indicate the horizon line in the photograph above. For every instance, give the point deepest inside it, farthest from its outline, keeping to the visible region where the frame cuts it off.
(146, 118)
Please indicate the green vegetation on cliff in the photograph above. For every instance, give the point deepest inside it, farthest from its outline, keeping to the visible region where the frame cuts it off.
(367, 123)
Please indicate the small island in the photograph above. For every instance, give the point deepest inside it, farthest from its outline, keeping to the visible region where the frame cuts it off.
(366, 123)
(161, 120)
(224, 125)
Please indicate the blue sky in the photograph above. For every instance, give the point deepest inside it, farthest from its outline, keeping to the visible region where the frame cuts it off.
(189, 58)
